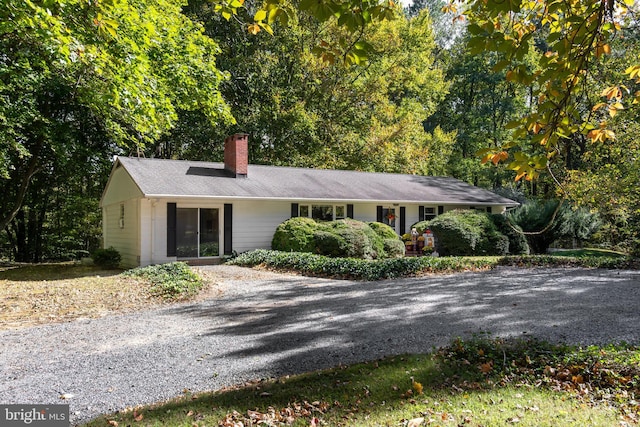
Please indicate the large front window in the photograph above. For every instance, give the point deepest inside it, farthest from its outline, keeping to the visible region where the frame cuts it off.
(323, 212)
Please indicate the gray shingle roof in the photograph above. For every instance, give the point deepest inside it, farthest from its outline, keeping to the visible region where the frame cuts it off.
(182, 178)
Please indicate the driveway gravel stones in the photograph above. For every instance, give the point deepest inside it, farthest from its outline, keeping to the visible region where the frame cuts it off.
(263, 324)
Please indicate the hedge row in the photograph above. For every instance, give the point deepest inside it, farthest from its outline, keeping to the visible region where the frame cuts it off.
(353, 268)
(559, 261)
(359, 269)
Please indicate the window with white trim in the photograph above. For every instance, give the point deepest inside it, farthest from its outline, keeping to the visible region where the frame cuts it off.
(430, 212)
(323, 212)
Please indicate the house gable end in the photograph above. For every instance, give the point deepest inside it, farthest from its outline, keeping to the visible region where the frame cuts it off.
(120, 186)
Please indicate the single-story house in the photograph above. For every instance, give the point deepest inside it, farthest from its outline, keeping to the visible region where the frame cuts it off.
(157, 211)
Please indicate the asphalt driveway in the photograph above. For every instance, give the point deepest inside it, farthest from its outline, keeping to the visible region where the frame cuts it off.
(268, 324)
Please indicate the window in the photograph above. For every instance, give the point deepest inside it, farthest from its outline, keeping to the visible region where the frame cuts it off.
(323, 212)
(121, 219)
(429, 213)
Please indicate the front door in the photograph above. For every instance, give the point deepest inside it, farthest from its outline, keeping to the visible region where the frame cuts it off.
(197, 232)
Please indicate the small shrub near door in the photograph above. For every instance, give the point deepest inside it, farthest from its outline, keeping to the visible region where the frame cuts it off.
(106, 258)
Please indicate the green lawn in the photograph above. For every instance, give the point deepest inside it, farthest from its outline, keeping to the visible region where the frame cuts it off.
(476, 383)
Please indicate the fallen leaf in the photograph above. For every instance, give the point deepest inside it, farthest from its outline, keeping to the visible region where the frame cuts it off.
(416, 422)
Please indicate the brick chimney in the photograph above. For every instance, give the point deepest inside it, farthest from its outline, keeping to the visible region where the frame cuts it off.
(236, 155)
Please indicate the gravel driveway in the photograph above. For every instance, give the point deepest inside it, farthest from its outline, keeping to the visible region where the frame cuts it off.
(267, 324)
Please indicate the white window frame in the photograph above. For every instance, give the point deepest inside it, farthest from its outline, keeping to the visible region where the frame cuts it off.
(433, 213)
(338, 211)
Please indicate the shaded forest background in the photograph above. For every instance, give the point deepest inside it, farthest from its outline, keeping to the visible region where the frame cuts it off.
(423, 104)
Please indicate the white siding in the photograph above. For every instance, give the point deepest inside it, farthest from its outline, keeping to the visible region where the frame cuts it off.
(254, 223)
(143, 240)
(120, 188)
(126, 238)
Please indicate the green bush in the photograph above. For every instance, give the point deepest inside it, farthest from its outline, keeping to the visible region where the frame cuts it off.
(342, 238)
(517, 241)
(421, 226)
(330, 244)
(467, 232)
(383, 230)
(106, 258)
(295, 234)
(174, 280)
(394, 248)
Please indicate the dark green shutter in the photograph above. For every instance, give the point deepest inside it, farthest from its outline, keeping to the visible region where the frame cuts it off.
(403, 221)
(171, 228)
(421, 213)
(228, 229)
(294, 210)
(379, 213)
(440, 210)
(350, 211)
(488, 209)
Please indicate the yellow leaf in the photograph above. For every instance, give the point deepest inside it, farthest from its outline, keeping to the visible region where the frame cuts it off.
(266, 27)
(253, 29)
(260, 15)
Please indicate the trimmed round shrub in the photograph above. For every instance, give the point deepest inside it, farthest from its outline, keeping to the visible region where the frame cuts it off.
(295, 235)
(330, 244)
(361, 240)
(394, 248)
(467, 232)
(342, 238)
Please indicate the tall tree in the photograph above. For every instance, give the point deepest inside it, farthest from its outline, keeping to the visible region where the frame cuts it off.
(479, 105)
(302, 110)
(72, 72)
(572, 37)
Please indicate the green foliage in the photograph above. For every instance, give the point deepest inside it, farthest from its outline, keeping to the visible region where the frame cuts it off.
(81, 78)
(421, 226)
(322, 115)
(462, 232)
(107, 258)
(393, 248)
(295, 234)
(572, 37)
(517, 241)
(342, 238)
(530, 383)
(330, 244)
(352, 268)
(175, 280)
(558, 260)
(549, 221)
(383, 230)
